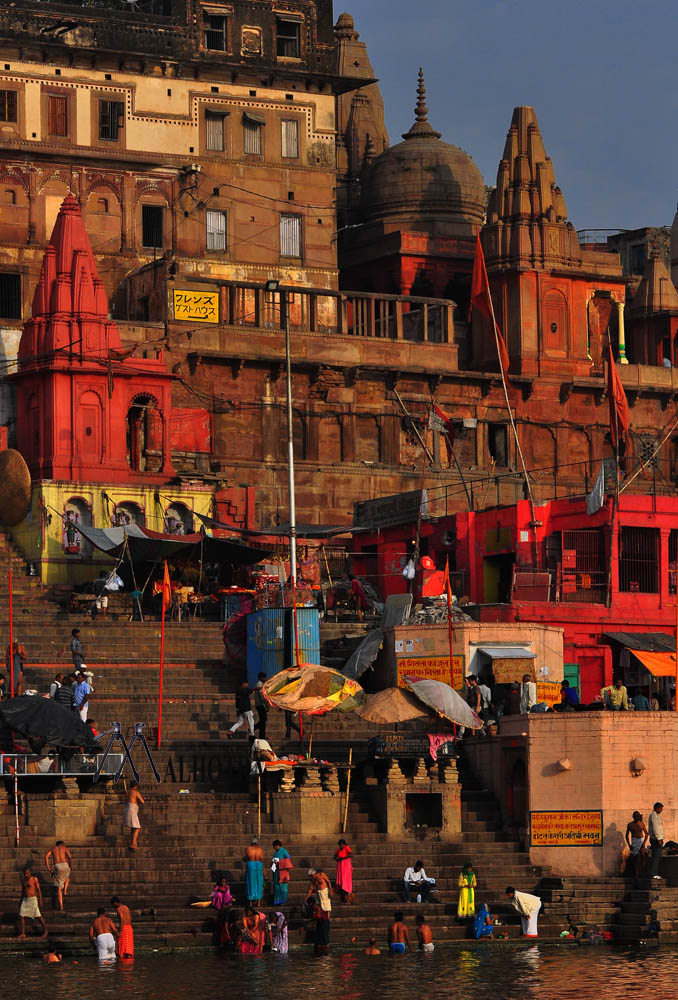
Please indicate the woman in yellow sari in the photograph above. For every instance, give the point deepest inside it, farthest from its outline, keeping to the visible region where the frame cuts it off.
(467, 883)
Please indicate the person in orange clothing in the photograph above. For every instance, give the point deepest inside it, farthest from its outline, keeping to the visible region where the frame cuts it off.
(125, 931)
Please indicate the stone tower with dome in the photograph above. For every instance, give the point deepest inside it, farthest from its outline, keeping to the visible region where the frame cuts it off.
(422, 203)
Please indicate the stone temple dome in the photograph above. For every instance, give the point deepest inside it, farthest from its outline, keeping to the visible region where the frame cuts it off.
(423, 183)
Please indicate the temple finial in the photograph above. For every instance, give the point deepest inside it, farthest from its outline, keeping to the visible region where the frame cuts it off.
(421, 127)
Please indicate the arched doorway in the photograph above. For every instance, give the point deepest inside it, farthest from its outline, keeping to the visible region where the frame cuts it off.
(144, 435)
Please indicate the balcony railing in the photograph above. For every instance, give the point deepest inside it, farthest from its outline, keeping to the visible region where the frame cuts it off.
(353, 314)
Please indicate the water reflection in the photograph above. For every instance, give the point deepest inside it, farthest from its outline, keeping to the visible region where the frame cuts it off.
(480, 973)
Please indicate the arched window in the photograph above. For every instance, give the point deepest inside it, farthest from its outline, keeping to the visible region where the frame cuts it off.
(102, 205)
(10, 196)
(144, 435)
(178, 519)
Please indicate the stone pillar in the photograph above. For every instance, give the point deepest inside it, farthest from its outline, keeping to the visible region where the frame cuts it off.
(287, 780)
(421, 774)
(623, 360)
(330, 780)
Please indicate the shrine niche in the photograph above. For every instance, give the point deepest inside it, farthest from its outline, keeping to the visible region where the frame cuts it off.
(251, 41)
(556, 328)
(178, 520)
(77, 512)
(126, 513)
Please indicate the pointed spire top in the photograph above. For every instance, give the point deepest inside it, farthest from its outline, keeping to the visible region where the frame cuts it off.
(421, 127)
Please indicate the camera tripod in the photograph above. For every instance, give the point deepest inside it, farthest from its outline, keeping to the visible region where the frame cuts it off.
(115, 735)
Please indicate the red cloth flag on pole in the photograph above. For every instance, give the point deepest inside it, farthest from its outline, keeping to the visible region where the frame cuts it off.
(482, 301)
(443, 423)
(619, 409)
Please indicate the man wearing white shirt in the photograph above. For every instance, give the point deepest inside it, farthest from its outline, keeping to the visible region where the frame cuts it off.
(528, 906)
(416, 880)
(528, 694)
(656, 831)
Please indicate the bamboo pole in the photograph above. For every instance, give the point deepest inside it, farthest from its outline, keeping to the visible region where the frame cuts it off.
(11, 637)
(259, 802)
(16, 802)
(348, 789)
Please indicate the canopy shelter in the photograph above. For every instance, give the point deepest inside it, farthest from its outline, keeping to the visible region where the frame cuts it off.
(145, 545)
(283, 530)
(444, 700)
(393, 705)
(312, 689)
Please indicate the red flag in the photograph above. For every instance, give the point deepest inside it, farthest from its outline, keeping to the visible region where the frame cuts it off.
(619, 409)
(480, 299)
(446, 427)
(166, 591)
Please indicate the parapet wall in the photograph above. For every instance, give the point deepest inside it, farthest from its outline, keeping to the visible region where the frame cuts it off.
(582, 762)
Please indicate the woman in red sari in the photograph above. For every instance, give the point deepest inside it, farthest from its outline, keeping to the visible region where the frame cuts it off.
(253, 933)
(344, 878)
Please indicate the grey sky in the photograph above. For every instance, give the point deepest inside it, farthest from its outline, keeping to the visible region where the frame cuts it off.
(600, 74)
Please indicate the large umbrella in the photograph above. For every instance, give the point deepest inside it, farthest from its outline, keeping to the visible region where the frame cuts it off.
(444, 700)
(392, 705)
(313, 689)
(47, 722)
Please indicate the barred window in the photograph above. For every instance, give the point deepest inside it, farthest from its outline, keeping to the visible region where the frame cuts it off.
(216, 33)
(290, 235)
(290, 138)
(111, 119)
(57, 123)
(214, 128)
(253, 134)
(216, 230)
(8, 106)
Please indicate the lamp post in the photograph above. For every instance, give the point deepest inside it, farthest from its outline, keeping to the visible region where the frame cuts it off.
(274, 286)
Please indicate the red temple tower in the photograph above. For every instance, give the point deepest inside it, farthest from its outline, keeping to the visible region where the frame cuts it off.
(88, 410)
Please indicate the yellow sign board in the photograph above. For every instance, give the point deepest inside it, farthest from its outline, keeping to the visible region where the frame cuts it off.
(566, 829)
(549, 692)
(195, 306)
(434, 668)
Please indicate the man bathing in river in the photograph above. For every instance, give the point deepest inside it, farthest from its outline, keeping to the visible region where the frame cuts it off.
(125, 932)
(102, 934)
(398, 935)
(59, 864)
(31, 901)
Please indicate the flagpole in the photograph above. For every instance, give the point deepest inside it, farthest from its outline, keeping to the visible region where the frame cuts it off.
(165, 602)
(448, 595)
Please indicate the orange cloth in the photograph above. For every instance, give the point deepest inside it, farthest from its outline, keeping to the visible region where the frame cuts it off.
(126, 942)
(659, 664)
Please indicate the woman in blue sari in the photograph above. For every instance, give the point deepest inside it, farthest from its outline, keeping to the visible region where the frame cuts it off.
(254, 871)
(483, 925)
(281, 873)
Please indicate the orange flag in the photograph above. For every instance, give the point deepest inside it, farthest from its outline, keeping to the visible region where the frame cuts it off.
(619, 409)
(480, 300)
(446, 579)
(166, 591)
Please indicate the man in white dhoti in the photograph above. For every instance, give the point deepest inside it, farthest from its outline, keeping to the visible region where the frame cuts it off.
(528, 907)
(103, 934)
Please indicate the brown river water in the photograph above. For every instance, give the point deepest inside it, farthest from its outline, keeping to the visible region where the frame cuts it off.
(478, 973)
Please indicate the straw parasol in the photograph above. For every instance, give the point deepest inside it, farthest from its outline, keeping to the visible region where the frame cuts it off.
(392, 705)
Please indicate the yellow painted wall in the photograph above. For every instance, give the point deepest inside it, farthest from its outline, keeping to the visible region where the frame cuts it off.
(40, 536)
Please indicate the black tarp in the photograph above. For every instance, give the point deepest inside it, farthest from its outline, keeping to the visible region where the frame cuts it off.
(152, 546)
(46, 722)
(283, 530)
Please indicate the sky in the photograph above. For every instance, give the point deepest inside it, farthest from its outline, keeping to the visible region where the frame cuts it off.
(601, 76)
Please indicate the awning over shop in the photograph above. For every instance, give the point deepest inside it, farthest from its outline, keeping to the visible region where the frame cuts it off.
(651, 642)
(507, 652)
(153, 546)
(659, 664)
